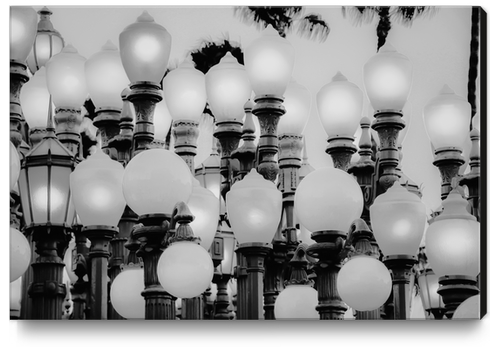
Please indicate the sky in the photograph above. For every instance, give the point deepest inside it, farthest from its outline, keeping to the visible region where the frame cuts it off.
(437, 46)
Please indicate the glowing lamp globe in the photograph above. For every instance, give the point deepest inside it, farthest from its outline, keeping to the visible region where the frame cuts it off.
(126, 291)
(269, 61)
(23, 30)
(184, 89)
(145, 49)
(96, 186)
(185, 269)
(205, 208)
(297, 102)
(388, 79)
(20, 254)
(106, 78)
(339, 106)
(398, 219)
(296, 302)
(452, 241)
(429, 284)
(364, 283)
(447, 119)
(328, 199)
(34, 98)
(468, 309)
(14, 166)
(162, 120)
(65, 75)
(228, 89)
(155, 180)
(254, 208)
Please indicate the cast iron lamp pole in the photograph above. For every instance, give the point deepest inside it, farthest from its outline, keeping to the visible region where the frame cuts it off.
(472, 179)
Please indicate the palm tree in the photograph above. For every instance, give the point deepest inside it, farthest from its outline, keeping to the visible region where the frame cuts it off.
(284, 18)
(405, 15)
(473, 68)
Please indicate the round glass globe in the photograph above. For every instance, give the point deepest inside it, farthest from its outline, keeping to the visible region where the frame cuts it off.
(468, 309)
(20, 254)
(126, 292)
(155, 180)
(23, 30)
(106, 78)
(297, 301)
(328, 199)
(96, 186)
(364, 283)
(185, 269)
(14, 166)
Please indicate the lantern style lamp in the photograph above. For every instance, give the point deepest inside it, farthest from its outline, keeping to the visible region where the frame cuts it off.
(106, 79)
(65, 75)
(185, 93)
(145, 50)
(388, 80)
(35, 99)
(20, 254)
(44, 189)
(326, 202)
(23, 23)
(228, 89)
(447, 120)
(254, 211)
(431, 300)
(126, 292)
(298, 300)
(453, 250)
(96, 185)
(14, 166)
(48, 42)
(151, 190)
(398, 220)
(269, 61)
(339, 106)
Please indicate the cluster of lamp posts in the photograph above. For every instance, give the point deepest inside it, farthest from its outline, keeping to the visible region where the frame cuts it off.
(57, 189)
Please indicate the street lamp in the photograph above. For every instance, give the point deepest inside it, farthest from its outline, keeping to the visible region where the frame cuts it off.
(431, 300)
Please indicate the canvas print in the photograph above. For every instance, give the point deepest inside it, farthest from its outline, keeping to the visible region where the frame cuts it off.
(247, 163)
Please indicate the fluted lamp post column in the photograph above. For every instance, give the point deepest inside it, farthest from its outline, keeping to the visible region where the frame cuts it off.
(151, 190)
(44, 187)
(339, 106)
(65, 73)
(453, 250)
(23, 29)
(398, 221)
(387, 79)
(447, 120)
(145, 50)
(96, 185)
(269, 61)
(228, 89)
(254, 211)
(327, 201)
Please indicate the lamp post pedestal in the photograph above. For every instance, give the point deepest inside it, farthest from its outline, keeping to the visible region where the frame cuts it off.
(341, 149)
(255, 253)
(228, 134)
(47, 289)
(222, 298)
(401, 267)
(186, 133)
(329, 244)
(151, 235)
(268, 109)
(18, 77)
(448, 160)
(456, 289)
(99, 236)
(68, 121)
(144, 96)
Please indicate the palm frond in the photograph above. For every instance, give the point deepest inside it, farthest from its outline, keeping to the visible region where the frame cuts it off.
(210, 53)
(313, 27)
(405, 15)
(280, 17)
(360, 15)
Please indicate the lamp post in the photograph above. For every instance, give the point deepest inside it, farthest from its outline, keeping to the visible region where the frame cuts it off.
(452, 247)
(432, 301)
(96, 185)
(447, 121)
(254, 210)
(327, 201)
(472, 179)
(340, 107)
(269, 61)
